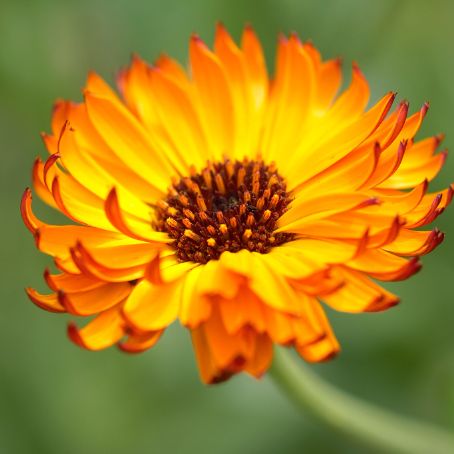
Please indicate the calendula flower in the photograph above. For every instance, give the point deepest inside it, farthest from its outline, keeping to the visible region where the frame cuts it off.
(232, 202)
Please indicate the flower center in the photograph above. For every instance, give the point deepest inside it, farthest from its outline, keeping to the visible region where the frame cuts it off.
(228, 206)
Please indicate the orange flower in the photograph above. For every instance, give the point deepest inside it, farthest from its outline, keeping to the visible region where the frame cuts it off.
(232, 203)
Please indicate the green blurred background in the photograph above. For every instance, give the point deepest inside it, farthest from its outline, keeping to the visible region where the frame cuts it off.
(55, 397)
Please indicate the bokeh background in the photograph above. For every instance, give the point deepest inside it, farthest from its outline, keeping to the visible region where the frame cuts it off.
(55, 397)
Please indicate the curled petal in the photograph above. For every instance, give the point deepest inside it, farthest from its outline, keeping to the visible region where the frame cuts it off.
(91, 302)
(415, 243)
(133, 228)
(385, 266)
(137, 343)
(49, 303)
(220, 355)
(359, 294)
(103, 331)
(30, 220)
(70, 283)
(153, 307)
(323, 349)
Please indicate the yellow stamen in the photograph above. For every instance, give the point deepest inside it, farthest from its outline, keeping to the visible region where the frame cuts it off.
(192, 235)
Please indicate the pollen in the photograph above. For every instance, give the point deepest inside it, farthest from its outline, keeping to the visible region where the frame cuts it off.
(228, 206)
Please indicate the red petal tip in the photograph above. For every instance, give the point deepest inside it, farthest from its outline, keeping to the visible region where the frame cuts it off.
(196, 38)
(44, 302)
(26, 213)
(48, 280)
(439, 138)
(294, 37)
(57, 104)
(355, 68)
(424, 109)
(74, 336)
(281, 38)
(135, 57)
(50, 161)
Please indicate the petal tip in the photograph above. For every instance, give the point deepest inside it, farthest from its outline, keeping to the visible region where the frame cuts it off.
(74, 335)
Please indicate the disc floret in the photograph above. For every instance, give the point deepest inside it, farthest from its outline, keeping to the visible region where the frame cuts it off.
(228, 206)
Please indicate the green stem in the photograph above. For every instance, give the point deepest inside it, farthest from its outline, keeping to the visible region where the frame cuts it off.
(371, 425)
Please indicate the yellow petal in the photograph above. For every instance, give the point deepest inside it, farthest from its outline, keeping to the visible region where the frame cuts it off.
(129, 141)
(102, 332)
(153, 307)
(215, 99)
(96, 300)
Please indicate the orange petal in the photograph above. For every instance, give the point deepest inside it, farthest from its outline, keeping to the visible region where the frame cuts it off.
(317, 152)
(400, 203)
(353, 101)
(255, 65)
(172, 69)
(273, 289)
(176, 112)
(134, 85)
(359, 294)
(407, 178)
(47, 302)
(291, 99)
(39, 184)
(87, 265)
(384, 266)
(303, 211)
(153, 307)
(56, 240)
(415, 243)
(319, 250)
(93, 145)
(134, 228)
(262, 357)
(229, 352)
(78, 203)
(323, 349)
(420, 152)
(209, 372)
(96, 300)
(195, 303)
(102, 332)
(126, 137)
(92, 175)
(243, 310)
(328, 84)
(215, 98)
(347, 174)
(137, 343)
(248, 103)
(124, 255)
(70, 283)
(96, 84)
(30, 220)
(60, 114)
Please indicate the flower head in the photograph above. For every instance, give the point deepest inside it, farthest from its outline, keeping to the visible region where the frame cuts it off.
(233, 203)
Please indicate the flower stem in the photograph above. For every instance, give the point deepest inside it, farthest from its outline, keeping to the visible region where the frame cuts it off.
(371, 425)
